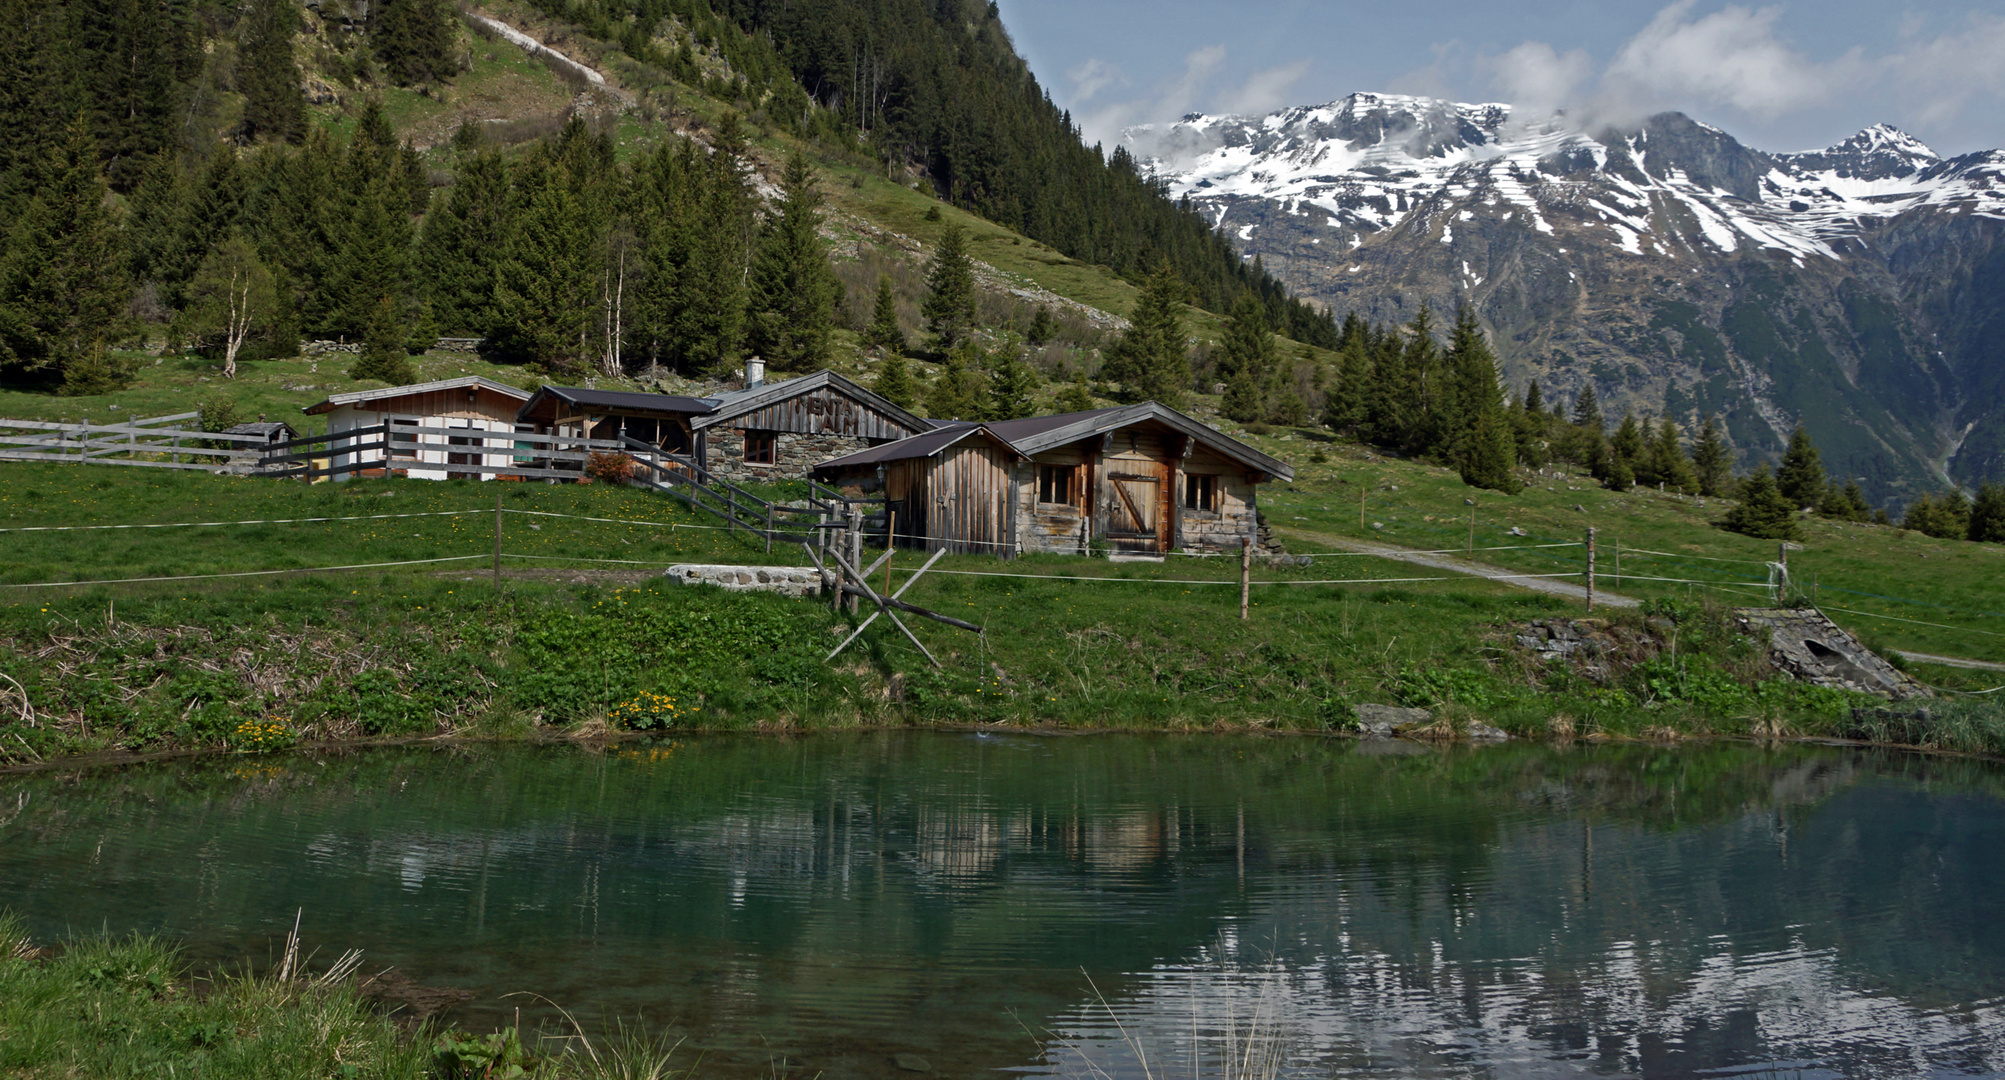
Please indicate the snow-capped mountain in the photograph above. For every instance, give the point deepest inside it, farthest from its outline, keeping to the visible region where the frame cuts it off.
(1674, 268)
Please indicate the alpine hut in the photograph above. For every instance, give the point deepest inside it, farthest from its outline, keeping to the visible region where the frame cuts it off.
(1142, 478)
(426, 422)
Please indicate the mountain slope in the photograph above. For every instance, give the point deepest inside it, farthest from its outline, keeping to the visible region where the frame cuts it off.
(1671, 267)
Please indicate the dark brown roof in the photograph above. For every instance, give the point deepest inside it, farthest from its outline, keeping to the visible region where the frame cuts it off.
(613, 401)
(922, 445)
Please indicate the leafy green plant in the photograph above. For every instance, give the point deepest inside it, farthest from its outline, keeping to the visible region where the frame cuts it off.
(499, 1056)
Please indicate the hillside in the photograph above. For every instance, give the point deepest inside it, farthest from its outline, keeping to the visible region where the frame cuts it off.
(1672, 268)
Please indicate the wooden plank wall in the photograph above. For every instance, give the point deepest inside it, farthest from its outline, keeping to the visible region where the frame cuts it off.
(968, 493)
(822, 411)
(1137, 453)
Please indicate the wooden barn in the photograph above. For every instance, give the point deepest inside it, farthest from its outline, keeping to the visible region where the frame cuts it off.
(433, 412)
(1142, 478)
(766, 431)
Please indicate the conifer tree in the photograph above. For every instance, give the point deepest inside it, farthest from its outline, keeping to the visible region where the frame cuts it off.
(1012, 386)
(1668, 464)
(461, 243)
(374, 257)
(1528, 426)
(1626, 445)
(1800, 478)
(1712, 462)
(1587, 410)
(793, 289)
(267, 74)
(1490, 454)
(214, 207)
(545, 283)
(384, 355)
(1076, 397)
(1477, 430)
(1285, 403)
(62, 277)
(1153, 356)
(960, 389)
(1946, 517)
(1762, 512)
(884, 333)
(1846, 503)
(1987, 515)
(950, 289)
(1042, 327)
(413, 40)
(1247, 359)
(1344, 401)
(1413, 388)
(694, 214)
(895, 382)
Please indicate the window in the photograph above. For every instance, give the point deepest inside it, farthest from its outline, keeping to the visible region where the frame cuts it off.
(1200, 492)
(1054, 484)
(403, 438)
(761, 448)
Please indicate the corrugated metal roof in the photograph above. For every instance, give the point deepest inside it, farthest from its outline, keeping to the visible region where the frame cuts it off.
(387, 392)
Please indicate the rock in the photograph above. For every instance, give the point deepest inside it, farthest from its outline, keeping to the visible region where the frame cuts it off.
(1482, 732)
(1389, 720)
(912, 1062)
(1517, 531)
(1579, 509)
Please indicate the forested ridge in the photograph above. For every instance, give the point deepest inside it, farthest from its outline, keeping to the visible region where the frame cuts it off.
(164, 173)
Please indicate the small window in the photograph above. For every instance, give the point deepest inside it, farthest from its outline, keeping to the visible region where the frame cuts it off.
(403, 438)
(1200, 492)
(761, 448)
(1054, 484)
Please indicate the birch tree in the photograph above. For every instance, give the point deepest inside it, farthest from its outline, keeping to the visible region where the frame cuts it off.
(231, 297)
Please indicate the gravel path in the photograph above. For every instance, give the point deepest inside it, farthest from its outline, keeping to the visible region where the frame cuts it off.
(1550, 586)
(1950, 661)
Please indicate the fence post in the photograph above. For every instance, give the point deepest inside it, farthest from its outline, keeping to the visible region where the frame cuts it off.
(1245, 574)
(497, 537)
(1618, 561)
(1590, 570)
(855, 548)
(769, 528)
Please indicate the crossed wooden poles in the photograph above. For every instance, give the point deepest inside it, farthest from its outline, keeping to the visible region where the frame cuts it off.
(858, 584)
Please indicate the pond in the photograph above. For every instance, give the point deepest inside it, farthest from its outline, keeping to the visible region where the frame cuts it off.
(897, 904)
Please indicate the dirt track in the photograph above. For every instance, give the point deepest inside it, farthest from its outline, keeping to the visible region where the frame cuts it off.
(1549, 586)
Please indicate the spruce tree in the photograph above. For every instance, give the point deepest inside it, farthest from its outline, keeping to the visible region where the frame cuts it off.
(694, 214)
(1668, 464)
(1762, 512)
(1012, 386)
(1076, 397)
(1042, 328)
(895, 382)
(1587, 410)
(1344, 400)
(1800, 478)
(1987, 515)
(267, 74)
(1247, 359)
(63, 286)
(1712, 462)
(1489, 457)
(1945, 517)
(546, 282)
(884, 333)
(1846, 503)
(1285, 403)
(215, 206)
(793, 289)
(1153, 357)
(1475, 422)
(384, 354)
(1528, 426)
(1625, 447)
(413, 40)
(461, 243)
(950, 289)
(960, 389)
(374, 257)
(1413, 418)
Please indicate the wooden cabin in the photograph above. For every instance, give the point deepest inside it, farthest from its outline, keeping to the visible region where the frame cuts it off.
(767, 431)
(1142, 478)
(432, 412)
(784, 429)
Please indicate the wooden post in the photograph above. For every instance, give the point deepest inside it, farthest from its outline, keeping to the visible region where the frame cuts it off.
(1618, 562)
(769, 528)
(1361, 505)
(1590, 570)
(1245, 574)
(890, 544)
(497, 537)
(1472, 529)
(855, 547)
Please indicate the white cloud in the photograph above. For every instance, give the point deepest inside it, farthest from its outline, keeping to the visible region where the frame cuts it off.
(1538, 77)
(1093, 76)
(1266, 90)
(1937, 80)
(1731, 57)
(1167, 100)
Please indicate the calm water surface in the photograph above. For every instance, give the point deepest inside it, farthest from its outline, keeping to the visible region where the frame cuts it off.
(1014, 904)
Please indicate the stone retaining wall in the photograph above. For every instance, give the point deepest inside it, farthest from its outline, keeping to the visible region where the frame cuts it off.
(785, 580)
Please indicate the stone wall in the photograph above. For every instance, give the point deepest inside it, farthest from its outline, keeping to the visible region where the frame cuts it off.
(798, 454)
(785, 580)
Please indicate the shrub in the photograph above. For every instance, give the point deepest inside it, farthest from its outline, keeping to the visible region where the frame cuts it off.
(609, 468)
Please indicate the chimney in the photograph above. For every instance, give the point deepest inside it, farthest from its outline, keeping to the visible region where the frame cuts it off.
(755, 372)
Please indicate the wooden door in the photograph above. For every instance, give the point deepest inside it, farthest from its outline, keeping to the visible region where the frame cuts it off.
(1135, 516)
(462, 457)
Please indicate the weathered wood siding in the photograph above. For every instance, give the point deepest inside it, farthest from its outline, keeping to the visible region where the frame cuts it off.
(822, 411)
(968, 499)
(1133, 503)
(1221, 528)
(1055, 527)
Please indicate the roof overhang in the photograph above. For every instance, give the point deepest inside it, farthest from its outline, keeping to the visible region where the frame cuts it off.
(474, 383)
(738, 404)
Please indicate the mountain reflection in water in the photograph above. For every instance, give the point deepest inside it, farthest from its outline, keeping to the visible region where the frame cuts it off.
(1046, 905)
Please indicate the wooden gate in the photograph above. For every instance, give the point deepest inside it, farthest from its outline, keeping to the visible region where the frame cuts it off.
(1139, 511)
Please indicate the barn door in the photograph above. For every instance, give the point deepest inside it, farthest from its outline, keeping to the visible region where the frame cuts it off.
(1136, 509)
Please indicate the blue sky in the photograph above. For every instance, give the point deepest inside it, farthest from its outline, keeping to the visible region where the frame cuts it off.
(1784, 77)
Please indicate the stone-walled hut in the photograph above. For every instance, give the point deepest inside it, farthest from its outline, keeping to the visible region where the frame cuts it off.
(1142, 478)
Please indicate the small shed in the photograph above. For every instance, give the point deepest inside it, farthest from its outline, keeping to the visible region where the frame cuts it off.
(425, 420)
(783, 429)
(1141, 478)
(271, 431)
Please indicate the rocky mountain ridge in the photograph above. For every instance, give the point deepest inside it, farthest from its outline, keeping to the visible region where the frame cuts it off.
(1855, 289)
